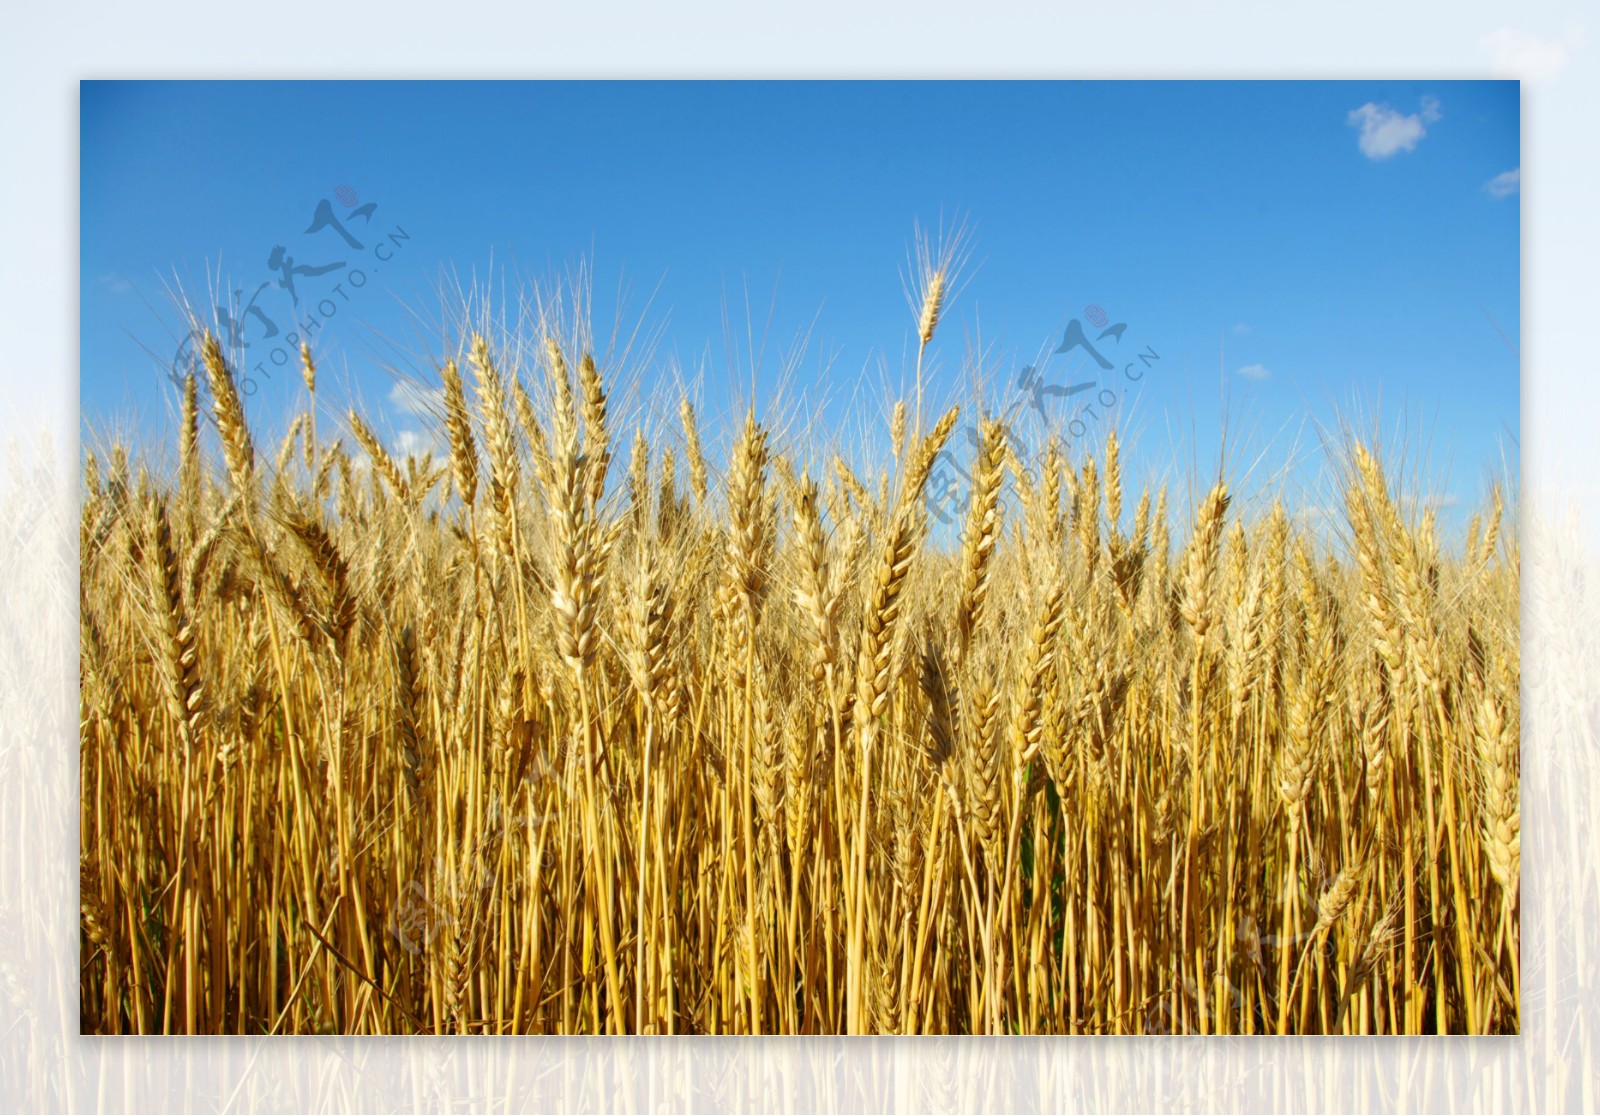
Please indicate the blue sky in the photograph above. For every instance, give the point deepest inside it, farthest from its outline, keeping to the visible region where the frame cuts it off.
(1293, 251)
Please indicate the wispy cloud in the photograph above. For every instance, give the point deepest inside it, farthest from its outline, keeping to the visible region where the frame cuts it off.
(1506, 184)
(1241, 327)
(1518, 54)
(116, 283)
(1386, 131)
(413, 399)
(1255, 371)
(415, 442)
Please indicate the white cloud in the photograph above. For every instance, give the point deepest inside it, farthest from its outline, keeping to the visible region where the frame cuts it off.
(1241, 328)
(1506, 184)
(1319, 511)
(1517, 54)
(1386, 131)
(414, 442)
(413, 399)
(1255, 371)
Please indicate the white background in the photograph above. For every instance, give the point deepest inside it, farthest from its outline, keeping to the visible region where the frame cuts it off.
(47, 48)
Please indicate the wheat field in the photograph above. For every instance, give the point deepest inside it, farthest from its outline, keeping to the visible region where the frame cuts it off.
(517, 741)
